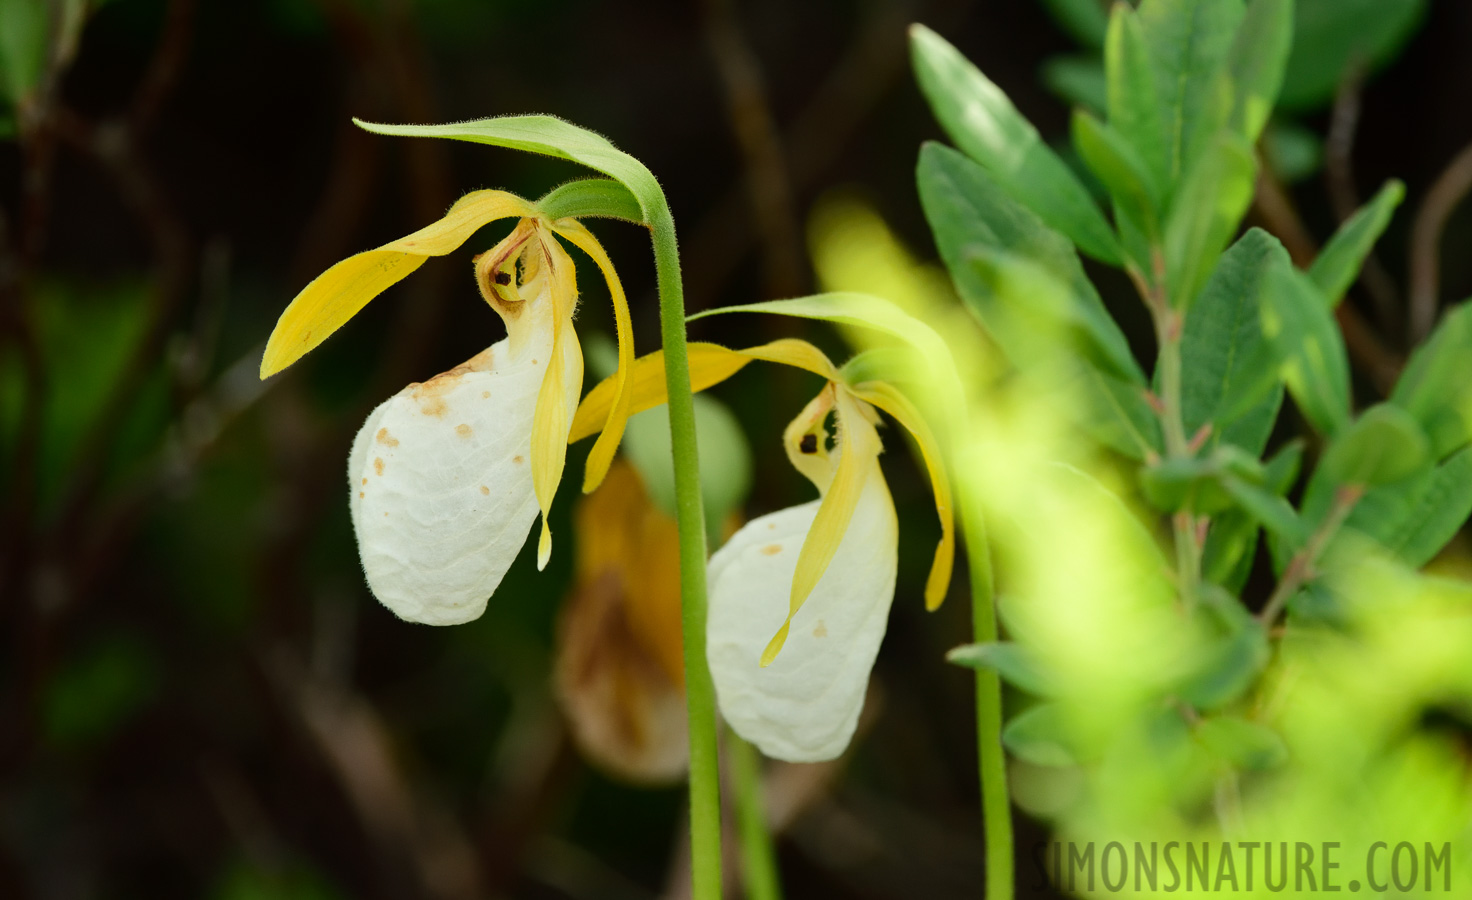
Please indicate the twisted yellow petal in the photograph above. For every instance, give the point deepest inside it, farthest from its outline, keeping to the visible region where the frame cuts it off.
(888, 398)
(338, 294)
(601, 456)
(858, 448)
(564, 371)
(710, 364)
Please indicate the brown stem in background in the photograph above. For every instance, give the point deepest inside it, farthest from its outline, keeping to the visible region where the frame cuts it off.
(1277, 212)
(1448, 191)
(761, 149)
(1345, 198)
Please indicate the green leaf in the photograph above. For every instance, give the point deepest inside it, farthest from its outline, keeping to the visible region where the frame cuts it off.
(969, 212)
(24, 34)
(1337, 267)
(1292, 151)
(1231, 546)
(549, 136)
(1384, 445)
(979, 118)
(1040, 736)
(1084, 20)
(1189, 41)
(1309, 347)
(1011, 661)
(1243, 744)
(1122, 172)
(1415, 518)
(1256, 62)
(1228, 372)
(1113, 411)
(1205, 214)
(1229, 667)
(1134, 104)
(1436, 386)
(1329, 35)
(1282, 470)
(93, 695)
(591, 198)
(1078, 81)
(1268, 509)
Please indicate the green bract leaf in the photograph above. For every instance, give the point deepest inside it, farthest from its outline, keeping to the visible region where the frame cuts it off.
(1122, 172)
(969, 213)
(1134, 103)
(1189, 41)
(1083, 19)
(1256, 62)
(1205, 214)
(1011, 661)
(551, 137)
(1078, 81)
(1309, 347)
(1436, 386)
(1229, 374)
(1040, 736)
(1382, 446)
(977, 115)
(1241, 743)
(591, 198)
(1230, 666)
(1330, 35)
(1339, 264)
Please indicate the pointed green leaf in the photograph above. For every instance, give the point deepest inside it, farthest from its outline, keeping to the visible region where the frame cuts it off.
(1268, 509)
(591, 198)
(1122, 172)
(1231, 546)
(1256, 62)
(1040, 736)
(1416, 517)
(1436, 386)
(1205, 214)
(1309, 347)
(1339, 264)
(1384, 445)
(977, 115)
(551, 137)
(1189, 41)
(1113, 411)
(969, 213)
(1078, 81)
(1011, 661)
(1134, 103)
(1229, 375)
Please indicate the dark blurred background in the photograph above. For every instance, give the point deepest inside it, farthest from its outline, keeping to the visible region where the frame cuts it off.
(198, 696)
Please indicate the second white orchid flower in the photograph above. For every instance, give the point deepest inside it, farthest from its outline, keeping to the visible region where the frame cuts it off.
(800, 598)
(447, 477)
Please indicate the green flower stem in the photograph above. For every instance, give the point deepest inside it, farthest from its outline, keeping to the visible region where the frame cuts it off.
(996, 809)
(758, 858)
(705, 787)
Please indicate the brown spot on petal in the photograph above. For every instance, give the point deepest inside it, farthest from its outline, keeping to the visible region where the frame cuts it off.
(378, 465)
(534, 362)
(430, 394)
(771, 550)
(821, 630)
(361, 495)
(485, 395)
(516, 459)
(463, 430)
(485, 490)
(387, 439)
(365, 481)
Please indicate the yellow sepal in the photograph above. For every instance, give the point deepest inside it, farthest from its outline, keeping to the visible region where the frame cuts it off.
(710, 364)
(858, 448)
(601, 456)
(550, 421)
(888, 398)
(338, 294)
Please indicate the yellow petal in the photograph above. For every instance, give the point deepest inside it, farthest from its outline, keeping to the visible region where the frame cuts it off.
(813, 460)
(554, 409)
(889, 399)
(601, 455)
(710, 364)
(338, 294)
(858, 447)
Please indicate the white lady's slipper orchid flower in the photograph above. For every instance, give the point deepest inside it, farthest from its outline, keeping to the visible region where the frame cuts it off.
(448, 475)
(800, 598)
